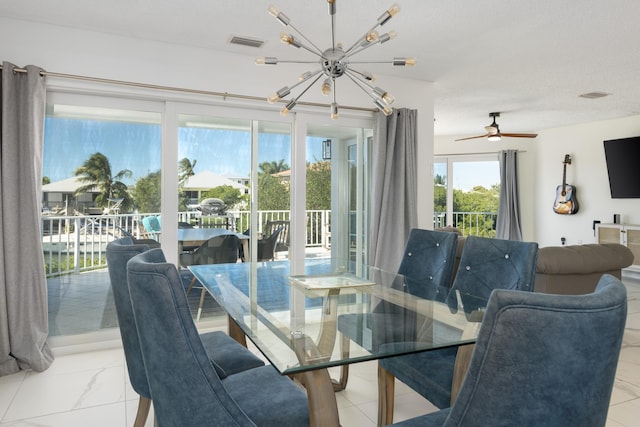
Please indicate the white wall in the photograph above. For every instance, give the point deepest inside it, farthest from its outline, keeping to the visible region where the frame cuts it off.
(588, 173)
(64, 50)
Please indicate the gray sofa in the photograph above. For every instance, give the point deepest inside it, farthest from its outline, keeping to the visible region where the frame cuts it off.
(577, 269)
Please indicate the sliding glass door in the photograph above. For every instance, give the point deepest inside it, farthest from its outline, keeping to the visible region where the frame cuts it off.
(466, 193)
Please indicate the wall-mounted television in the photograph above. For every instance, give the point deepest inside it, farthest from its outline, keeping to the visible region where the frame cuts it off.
(623, 165)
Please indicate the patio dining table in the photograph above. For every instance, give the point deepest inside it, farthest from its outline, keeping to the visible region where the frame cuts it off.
(194, 237)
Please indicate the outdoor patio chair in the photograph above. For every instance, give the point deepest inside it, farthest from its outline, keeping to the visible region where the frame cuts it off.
(217, 250)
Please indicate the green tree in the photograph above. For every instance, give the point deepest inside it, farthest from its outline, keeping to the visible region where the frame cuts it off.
(95, 172)
(230, 195)
(273, 167)
(319, 185)
(479, 199)
(439, 193)
(146, 193)
(46, 180)
(272, 193)
(185, 170)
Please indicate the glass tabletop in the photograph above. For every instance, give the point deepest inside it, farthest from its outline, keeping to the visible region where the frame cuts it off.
(299, 321)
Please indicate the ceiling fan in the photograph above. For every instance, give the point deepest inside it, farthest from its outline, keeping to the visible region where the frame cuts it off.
(494, 134)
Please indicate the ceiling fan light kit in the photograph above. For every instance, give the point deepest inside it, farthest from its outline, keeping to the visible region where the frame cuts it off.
(336, 62)
(493, 132)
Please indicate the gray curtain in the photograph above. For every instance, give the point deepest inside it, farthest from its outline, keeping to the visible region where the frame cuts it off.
(23, 286)
(393, 187)
(508, 223)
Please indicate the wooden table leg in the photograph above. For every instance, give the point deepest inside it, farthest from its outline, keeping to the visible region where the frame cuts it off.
(236, 331)
(460, 368)
(323, 408)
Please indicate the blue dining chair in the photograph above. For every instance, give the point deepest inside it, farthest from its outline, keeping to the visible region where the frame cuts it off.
(427, 266)
(541, 360)
(227, 355)
(485, 264)
(186, 389)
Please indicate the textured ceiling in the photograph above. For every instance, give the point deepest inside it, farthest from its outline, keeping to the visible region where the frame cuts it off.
(529, 60)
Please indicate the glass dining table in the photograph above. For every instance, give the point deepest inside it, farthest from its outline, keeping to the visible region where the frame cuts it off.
(293, 318)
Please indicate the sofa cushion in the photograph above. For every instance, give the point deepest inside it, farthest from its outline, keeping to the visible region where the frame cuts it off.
(583, 259)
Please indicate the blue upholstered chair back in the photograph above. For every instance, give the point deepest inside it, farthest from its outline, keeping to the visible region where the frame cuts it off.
(119, 252)
(487, 264)
(185, 387)
(428, 261)
(544, 360)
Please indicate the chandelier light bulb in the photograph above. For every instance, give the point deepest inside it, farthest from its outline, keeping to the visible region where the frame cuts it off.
(393, 10)
(286, 38)
(285, 111)
(266, 60)
(371, 36)
(304, 76)
(326, 87)
(386, 110)
(334, 111)
(387, 36)
(281, 17)
(289, 39)
(404, 62)
(273, 98)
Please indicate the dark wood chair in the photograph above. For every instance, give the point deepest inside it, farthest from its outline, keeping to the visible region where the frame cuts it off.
(282, 243)
(216, 250)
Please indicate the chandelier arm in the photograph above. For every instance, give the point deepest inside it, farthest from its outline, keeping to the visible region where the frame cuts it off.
(371, 62)
(357, 83)
(318, 50)
(363, 74)
(307, 88)
(292, 61)
(319, 55)
(355, 52)
(354, 74)
(315, 73)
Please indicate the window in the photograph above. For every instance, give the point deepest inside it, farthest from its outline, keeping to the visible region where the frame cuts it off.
(466, 193)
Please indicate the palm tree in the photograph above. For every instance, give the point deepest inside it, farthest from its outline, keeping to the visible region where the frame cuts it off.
(95, 172)
(185, 170)
(273, 167)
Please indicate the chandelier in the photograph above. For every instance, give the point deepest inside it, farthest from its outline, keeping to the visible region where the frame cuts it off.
(336, 62)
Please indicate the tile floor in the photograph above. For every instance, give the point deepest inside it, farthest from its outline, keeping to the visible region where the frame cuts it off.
(92, 388)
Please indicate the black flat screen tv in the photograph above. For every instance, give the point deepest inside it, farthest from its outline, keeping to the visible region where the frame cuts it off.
(623, 165)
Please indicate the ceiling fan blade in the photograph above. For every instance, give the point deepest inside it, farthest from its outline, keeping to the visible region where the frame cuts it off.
(473, 137)
(520, 135)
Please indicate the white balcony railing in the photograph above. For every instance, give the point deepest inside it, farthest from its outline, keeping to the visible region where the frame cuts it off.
(72, 244)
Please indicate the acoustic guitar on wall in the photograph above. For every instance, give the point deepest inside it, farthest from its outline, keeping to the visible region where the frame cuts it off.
(566, 202)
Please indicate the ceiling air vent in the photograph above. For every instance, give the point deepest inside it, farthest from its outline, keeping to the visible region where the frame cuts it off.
(594, 95)
(246, 41)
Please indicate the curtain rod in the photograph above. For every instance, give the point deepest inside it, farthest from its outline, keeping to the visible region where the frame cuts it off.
(472, 154)
(223, 95)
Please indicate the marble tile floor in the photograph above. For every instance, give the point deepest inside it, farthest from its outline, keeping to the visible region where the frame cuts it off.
(92, 388)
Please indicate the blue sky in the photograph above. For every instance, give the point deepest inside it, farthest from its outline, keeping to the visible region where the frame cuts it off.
(69, 142)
